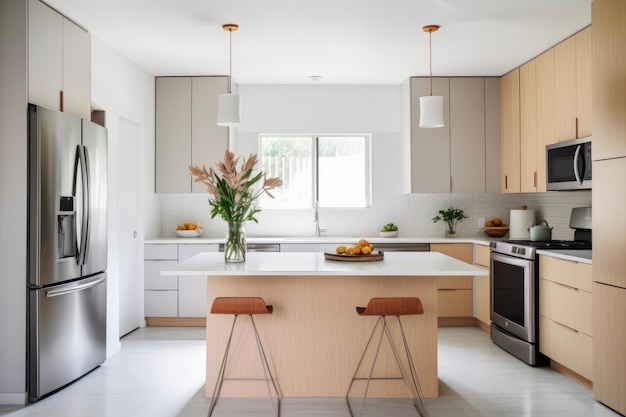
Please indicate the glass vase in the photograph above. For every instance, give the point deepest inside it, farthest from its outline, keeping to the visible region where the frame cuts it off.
(235, 243)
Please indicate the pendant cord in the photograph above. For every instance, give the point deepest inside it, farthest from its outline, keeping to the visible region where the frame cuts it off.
(230, 60)
(430, 59)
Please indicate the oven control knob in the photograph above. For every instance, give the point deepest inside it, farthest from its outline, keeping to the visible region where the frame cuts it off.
(506, 324)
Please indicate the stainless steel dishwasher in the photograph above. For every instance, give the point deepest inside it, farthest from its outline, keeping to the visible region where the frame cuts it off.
(258, 247)
(402, 247)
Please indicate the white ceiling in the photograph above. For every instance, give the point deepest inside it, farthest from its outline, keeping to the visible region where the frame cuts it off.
(343, 41)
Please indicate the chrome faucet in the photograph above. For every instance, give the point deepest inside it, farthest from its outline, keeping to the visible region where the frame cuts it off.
(318, 230)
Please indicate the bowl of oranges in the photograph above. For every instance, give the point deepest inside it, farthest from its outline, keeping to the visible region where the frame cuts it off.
(189, 229)
(495, 228)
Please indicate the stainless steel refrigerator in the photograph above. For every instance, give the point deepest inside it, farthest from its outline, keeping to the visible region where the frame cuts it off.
(67, 249)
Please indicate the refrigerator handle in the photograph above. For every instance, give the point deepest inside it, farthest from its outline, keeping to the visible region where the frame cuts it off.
(83, 218)
(64, 291)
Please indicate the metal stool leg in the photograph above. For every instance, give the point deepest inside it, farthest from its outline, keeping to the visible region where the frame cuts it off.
(267, 371)
(220, 375)
(417, 402)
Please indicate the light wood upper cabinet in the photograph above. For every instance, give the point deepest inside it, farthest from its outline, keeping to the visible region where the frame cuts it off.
(546, 125)
(573, 86)
(186, 130)
(528, 127)
(584, 82)
(58, 61)
(609, 83)
(510, 127)
(457, 157)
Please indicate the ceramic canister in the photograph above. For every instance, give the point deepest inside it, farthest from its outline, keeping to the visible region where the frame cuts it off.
(520, 221)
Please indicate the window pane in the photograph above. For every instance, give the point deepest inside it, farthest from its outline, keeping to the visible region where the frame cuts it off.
(290, 158)
(343, 175)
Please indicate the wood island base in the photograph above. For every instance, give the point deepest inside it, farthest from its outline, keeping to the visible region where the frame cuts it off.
(314, 338)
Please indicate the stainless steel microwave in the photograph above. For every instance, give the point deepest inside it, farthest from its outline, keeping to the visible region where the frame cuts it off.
(568, 165)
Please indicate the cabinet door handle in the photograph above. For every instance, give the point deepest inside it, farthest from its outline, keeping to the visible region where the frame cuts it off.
(535, 179)
(61, 101)
(576, 128)
(565, 286)
(506, 182)
(566, 327)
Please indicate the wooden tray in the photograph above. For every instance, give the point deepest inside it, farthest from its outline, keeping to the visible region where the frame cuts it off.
(345, 257)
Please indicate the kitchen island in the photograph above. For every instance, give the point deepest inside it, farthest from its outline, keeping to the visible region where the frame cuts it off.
(314, 338)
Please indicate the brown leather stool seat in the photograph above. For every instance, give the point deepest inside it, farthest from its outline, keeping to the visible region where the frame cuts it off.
(247, 306)
(383, 307)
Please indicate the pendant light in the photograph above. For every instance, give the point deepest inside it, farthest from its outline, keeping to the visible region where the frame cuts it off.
(228, 104)
(431, 107)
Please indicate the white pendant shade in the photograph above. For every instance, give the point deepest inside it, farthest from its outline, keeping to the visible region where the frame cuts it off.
(431, 111)
(228, 109)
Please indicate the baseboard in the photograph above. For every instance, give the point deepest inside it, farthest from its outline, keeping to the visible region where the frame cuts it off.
(483, 326)
(176, 321)
(571, 375)
(457, 322)
(18, 398)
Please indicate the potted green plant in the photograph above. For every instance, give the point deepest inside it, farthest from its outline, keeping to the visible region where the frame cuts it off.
(452, 217)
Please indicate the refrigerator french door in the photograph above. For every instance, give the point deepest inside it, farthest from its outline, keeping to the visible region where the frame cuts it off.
(67, 249)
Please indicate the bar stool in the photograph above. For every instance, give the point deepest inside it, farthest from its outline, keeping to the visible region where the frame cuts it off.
(249, 306)
(382, 307)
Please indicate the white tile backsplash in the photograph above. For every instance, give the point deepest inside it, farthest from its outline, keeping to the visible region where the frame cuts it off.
(390, 203)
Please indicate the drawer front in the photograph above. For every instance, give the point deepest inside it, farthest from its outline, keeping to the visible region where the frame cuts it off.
(186, 251)
(574, 274)
(161, 303)
(153, 280)
(570, 348)
(481, 255)
(566, 305)
(160, 251)
(454, 303)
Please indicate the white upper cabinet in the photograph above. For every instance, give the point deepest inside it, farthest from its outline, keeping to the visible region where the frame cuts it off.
(59, 62)
(186, 130)
(463, 156)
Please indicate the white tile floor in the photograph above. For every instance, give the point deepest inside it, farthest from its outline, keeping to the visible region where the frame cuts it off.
(160, 373)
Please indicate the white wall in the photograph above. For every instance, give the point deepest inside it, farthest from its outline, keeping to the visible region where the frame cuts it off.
(122, 89)
(384, 112)
(13, 199)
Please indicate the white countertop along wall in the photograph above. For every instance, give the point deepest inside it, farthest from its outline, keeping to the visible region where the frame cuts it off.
(315, 264)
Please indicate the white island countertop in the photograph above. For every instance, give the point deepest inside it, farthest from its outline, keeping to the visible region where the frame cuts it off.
(314, 263)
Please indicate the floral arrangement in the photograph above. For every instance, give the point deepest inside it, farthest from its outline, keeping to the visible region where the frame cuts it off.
(452, 217)
(234, 195)
(233, 191)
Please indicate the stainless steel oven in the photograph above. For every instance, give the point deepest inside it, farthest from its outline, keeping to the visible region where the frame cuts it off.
(515, 288)
(514, 301)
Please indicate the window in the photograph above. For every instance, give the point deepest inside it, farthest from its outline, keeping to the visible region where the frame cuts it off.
(331, 169)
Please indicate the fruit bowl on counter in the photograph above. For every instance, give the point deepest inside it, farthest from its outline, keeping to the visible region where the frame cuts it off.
(495, 228)
(189, 230)
(496, 231)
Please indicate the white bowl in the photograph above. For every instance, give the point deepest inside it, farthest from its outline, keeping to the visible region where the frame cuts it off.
(188, 233)
(388, 234)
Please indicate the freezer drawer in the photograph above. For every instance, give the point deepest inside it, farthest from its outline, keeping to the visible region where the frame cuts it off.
(67, 333)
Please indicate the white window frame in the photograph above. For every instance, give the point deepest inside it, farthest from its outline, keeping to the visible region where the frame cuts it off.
(315, 146)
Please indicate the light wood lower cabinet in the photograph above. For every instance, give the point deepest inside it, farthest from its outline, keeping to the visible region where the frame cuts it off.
(566, 314)
(455, 298)
(482, 288)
